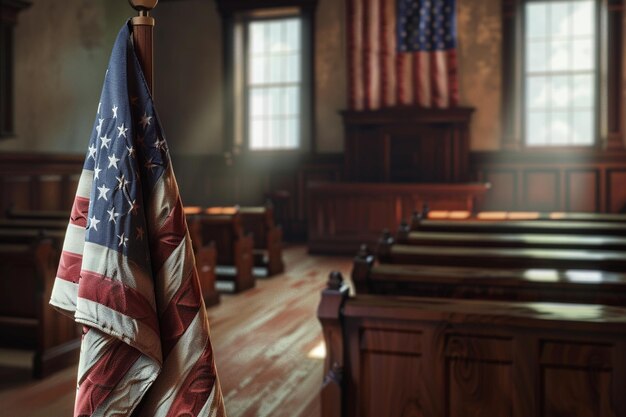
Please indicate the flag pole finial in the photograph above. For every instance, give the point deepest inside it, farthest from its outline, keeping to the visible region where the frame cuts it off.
(142, 36)
(143, 5)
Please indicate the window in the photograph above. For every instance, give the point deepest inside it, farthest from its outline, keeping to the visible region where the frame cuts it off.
(273, 83)
(560, 74)
(268, 72)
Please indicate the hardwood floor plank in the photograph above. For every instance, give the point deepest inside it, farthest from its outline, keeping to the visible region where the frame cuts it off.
(261, 338)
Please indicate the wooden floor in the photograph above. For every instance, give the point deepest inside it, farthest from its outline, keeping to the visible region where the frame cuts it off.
(267, 344)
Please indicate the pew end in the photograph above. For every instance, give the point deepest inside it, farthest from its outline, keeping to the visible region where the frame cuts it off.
(206, 260)
(362, 266)
(329, 315)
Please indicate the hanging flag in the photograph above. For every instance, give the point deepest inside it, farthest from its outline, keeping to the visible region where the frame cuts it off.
(402, 53)
(127, 270)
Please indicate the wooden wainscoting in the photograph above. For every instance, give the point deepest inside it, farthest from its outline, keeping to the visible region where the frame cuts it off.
(36, 181)
(554, 181)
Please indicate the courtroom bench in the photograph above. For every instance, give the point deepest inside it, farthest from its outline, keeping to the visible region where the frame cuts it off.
(520, 215)
(27, 273)
(234, 247)
(38, 214)
(268, 237)
(404, 356)
(517, 240)
(545, 285)
(520, 226)
(515, 258)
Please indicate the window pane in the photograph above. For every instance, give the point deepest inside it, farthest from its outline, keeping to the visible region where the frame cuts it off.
(559, 19)
(559, 55)
(536, 56)
(536, 20)
(274, 84)
(536, 128)
(583, 128)
(582, 24)
(537, 92)
(559, 92)
(559, 128)
(258, 70)
(560, 74)
(257, 38)
(583, 91)
(583, 54)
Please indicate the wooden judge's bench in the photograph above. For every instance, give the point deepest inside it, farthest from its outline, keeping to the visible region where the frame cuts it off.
(396, 160)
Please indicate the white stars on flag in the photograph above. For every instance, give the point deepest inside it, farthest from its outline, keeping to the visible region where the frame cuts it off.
(122, 130)
(103, 192)
(122, 239)
(113, 160)
(114, 110)
(121, 182)
(105, 142)
(145, 120)
(96, 173)
(113, 215)
(92, 152)
(93, 223)
(133, 207)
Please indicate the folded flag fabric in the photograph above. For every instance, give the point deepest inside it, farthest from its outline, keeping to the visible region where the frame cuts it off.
(127, 270)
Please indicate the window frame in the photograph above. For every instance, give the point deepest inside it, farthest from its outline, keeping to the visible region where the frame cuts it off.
(608, 107)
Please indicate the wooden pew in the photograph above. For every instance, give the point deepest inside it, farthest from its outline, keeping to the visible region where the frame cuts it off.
(27, 321)
(545, 285)
(268, 238)
(517, 240)
(522, 215)
(520, 226)
(404, 356)
(33, 224)
(38, 214)
(234, 248)
(502, 257)
(206, 262)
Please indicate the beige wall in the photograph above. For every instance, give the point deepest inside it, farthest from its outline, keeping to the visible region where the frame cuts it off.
(61, 52)
(62, 48)
(479, 49)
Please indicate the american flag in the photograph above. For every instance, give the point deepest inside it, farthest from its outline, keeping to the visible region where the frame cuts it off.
(402, 53)
(127, 270)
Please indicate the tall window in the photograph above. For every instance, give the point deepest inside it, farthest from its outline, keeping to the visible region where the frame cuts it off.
(273, 83)
(560, 73)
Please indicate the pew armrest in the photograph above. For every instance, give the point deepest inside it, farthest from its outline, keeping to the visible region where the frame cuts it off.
(329, 315)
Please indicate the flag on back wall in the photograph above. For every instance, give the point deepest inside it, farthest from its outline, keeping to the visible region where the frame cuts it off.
(402, 53)
(127, 270)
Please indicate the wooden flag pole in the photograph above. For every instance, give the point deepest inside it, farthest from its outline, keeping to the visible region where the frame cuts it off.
(142, 36)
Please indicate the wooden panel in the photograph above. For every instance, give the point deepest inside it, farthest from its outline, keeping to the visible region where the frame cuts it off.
(503, 189)
(50, 192)
(616, 189)
(582, 190)
(383, 352)
(576, 379)
(541, 190)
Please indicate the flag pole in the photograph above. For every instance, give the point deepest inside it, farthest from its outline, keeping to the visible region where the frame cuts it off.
(142, 36)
